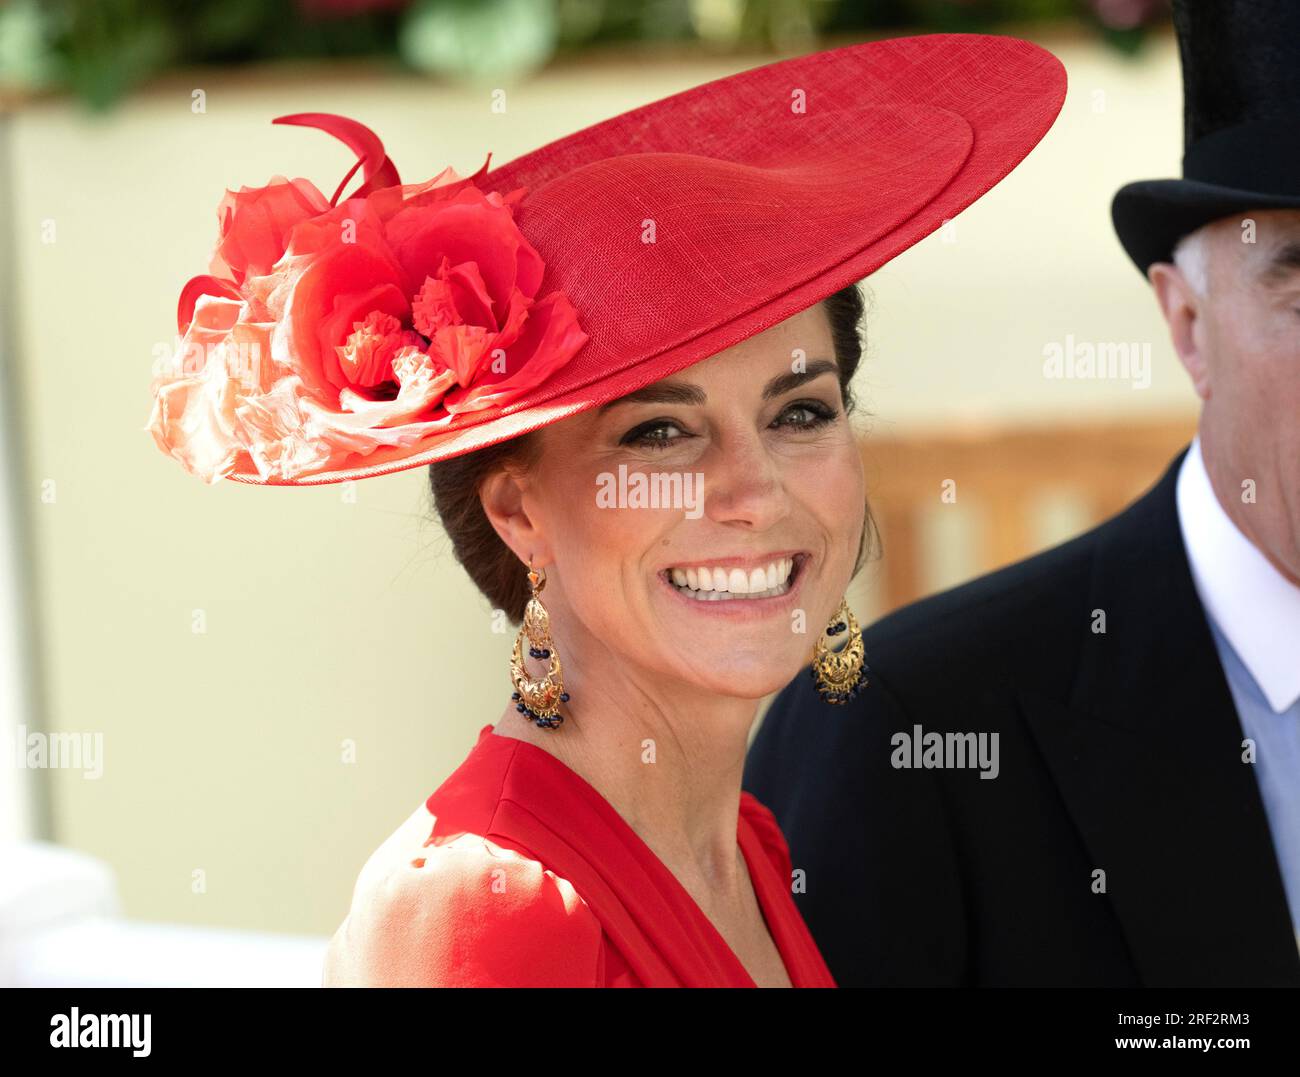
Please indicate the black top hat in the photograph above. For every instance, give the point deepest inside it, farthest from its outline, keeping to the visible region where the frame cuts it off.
(1241, 125)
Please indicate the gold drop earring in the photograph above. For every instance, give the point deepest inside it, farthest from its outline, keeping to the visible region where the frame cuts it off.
(840, 674)
(538, 700)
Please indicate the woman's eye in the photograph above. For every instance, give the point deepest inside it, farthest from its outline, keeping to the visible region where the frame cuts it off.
(646, 435)
(814, 413)
(805, 415)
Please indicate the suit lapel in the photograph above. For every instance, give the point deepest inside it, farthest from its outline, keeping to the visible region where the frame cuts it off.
(1147, 754)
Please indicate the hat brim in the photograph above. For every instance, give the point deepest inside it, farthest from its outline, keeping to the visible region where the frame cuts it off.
(1151, 216)
(915, 130)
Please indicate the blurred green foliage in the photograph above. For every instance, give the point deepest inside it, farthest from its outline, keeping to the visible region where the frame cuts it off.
(100, 49)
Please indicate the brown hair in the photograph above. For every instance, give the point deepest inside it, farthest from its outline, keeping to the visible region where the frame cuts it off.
(493, 566)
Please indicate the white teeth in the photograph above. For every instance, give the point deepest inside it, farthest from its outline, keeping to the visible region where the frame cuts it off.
(720, 584)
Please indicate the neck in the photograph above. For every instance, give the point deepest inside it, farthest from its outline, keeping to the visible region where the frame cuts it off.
(667, 756)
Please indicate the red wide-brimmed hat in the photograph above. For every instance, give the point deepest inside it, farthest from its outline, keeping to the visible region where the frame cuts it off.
(410, 323)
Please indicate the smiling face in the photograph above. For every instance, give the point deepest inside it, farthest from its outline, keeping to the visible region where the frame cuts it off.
(726, 577)
(1237, 331)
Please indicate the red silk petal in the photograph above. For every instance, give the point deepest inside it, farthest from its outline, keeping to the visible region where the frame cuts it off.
(378, 168)
(550, 338)
(460, 348)
(195, 287)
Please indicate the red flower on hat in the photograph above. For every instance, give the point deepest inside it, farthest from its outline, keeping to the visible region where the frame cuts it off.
(324, 330)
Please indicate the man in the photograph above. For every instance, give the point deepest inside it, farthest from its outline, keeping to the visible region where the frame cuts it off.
(1141, 683)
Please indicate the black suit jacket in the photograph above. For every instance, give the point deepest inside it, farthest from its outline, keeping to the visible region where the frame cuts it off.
(1119, 752)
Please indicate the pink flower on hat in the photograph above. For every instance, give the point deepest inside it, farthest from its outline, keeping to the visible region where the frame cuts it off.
(324, 331)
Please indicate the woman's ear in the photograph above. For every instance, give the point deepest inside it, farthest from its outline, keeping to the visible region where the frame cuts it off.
(503, 495)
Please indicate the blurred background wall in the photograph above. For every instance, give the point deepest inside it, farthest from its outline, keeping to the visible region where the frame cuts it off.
(264, 681)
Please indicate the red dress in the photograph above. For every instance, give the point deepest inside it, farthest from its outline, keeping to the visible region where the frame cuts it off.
(530, 878)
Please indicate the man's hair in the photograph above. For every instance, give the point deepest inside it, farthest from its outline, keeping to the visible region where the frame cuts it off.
(1191, 257)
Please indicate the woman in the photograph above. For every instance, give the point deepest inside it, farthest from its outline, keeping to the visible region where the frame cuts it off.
(625, 358)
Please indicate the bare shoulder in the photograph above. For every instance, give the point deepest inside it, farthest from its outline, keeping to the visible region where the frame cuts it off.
(465, 911)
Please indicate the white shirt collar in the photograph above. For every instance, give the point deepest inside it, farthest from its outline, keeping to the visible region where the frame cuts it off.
(1255, 607)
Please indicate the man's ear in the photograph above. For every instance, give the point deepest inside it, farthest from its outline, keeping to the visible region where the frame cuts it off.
(505, 500)
(1184, 313)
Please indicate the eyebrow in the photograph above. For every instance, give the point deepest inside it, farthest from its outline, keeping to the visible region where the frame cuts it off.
(1282, 263)
(680, 392)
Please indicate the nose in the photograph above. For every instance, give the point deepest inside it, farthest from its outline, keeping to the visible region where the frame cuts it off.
(744, 484)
